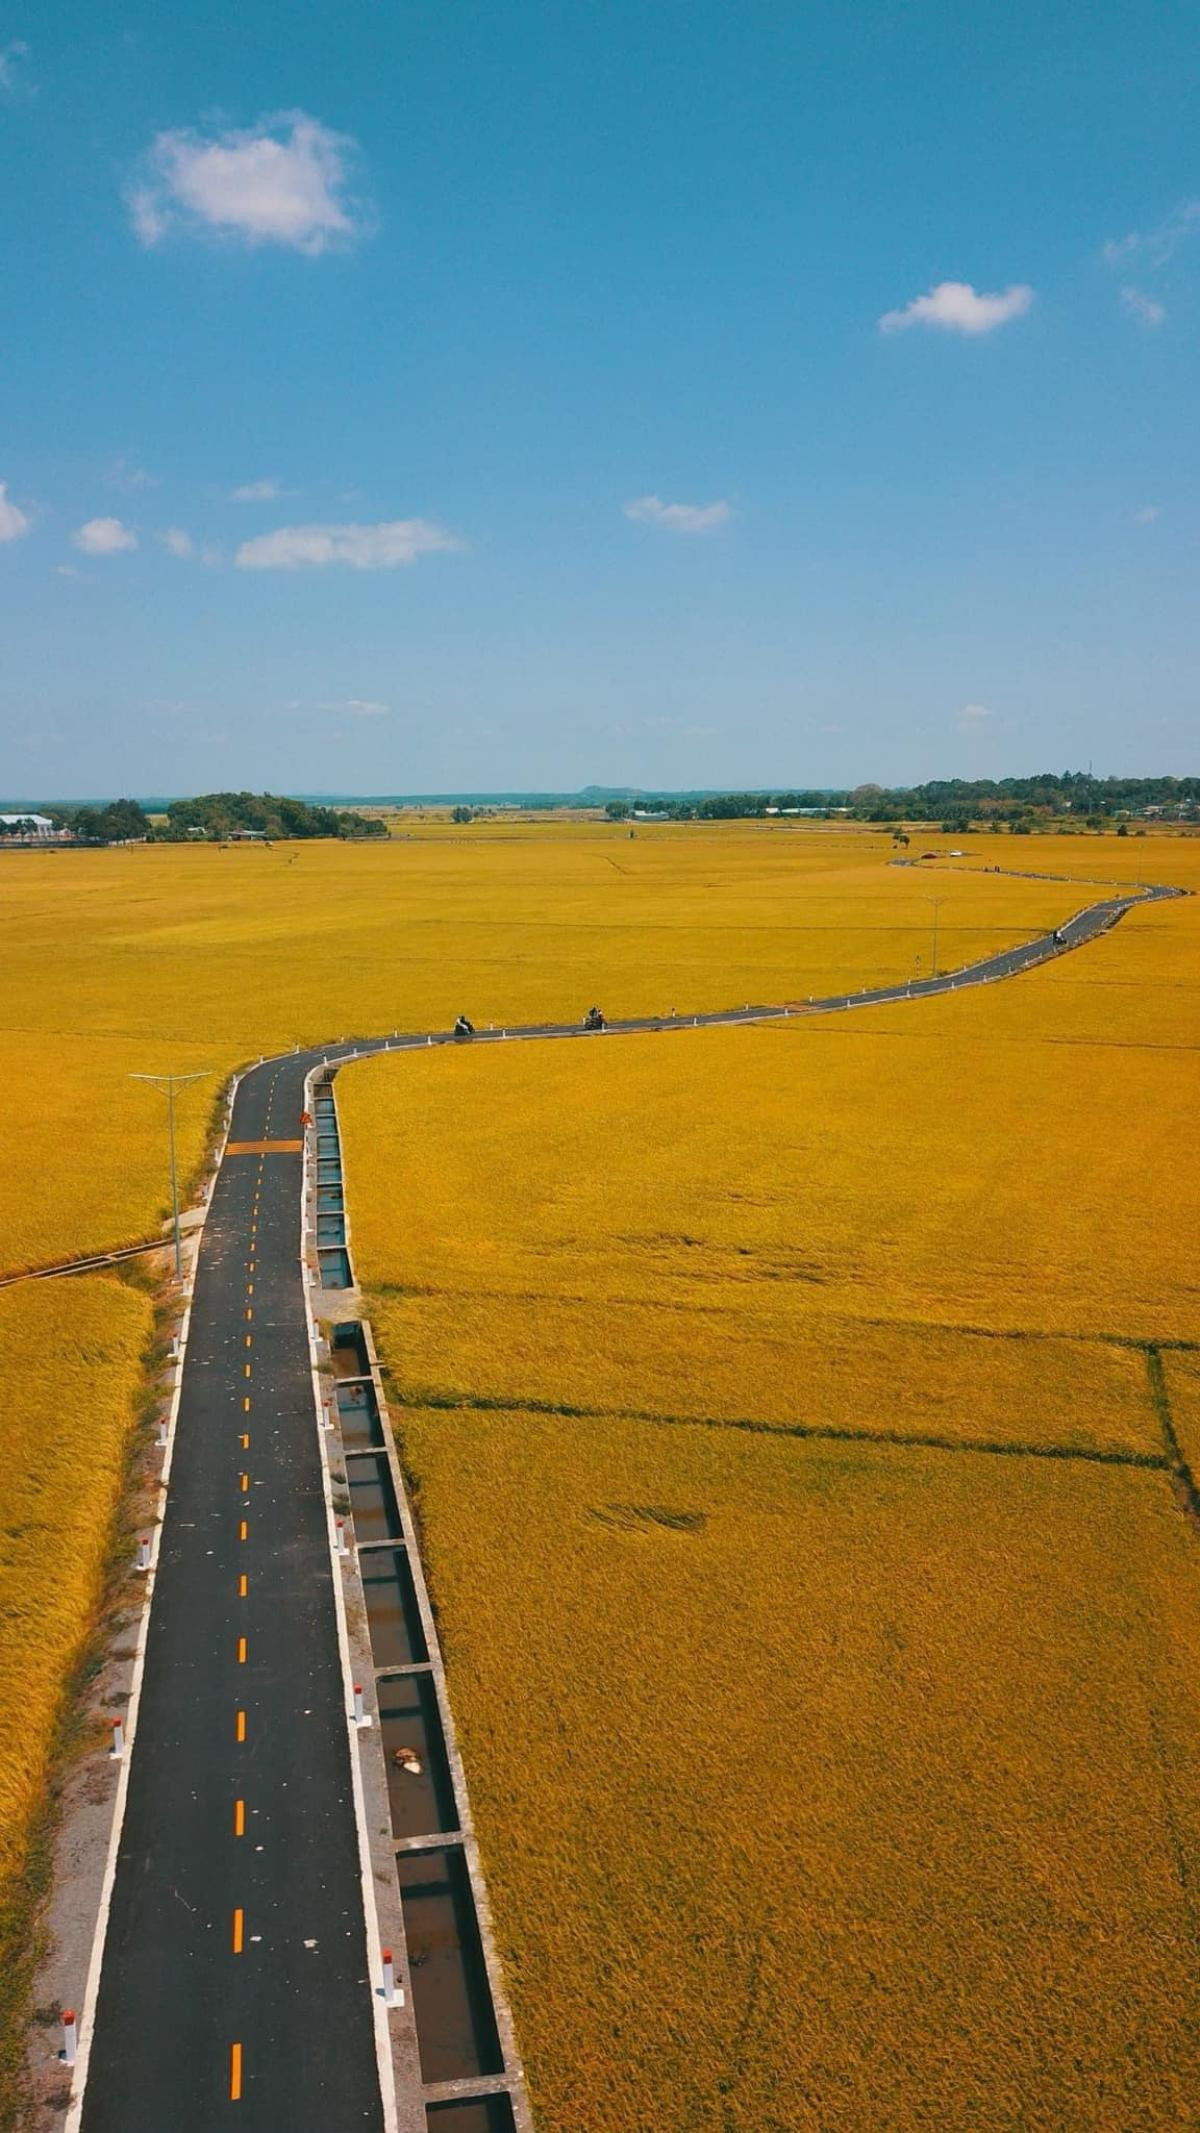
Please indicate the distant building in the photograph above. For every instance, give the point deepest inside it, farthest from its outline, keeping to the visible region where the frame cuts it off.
(29, 825)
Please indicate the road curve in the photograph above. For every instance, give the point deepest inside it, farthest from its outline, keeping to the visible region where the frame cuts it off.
(235, 1981)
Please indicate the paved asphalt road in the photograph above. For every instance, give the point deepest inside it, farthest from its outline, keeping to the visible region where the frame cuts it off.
(176, 1995)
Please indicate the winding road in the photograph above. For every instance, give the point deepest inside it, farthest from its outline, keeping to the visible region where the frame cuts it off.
(235, 1981)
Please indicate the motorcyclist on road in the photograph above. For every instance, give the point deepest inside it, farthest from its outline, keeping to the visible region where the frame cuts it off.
(593, 1019)
(463, 1028)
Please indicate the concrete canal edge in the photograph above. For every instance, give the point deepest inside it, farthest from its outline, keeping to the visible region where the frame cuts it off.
(412, 2027)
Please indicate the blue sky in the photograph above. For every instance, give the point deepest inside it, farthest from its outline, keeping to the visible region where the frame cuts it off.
(655, 393)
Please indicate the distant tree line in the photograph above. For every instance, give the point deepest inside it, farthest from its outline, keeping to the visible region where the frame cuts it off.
(726, 807)
(217, 815)
(1019, 804)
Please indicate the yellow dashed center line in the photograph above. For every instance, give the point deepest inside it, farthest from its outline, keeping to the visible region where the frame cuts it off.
(241, 1651)
(249, 1307)
(249, 1336)
(239, 1818)
(244, 1533)
(239, 1927)
(242, 1586)
(246, 1405)
(235, 2074)
(245, 1484)
(241, 1725)
(245, 1440)
(246, 1369)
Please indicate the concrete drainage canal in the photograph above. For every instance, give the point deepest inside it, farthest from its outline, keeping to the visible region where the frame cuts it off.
(471, 2077)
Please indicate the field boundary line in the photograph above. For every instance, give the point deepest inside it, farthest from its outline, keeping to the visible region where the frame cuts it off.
(1160, 1399)
(1132, 1343)
(821, 1432)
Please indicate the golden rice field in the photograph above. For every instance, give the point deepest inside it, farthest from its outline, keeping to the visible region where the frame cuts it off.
(868, 1800)
(962, 1231)
(175, 958)
(72, 1374)
(832, 1772)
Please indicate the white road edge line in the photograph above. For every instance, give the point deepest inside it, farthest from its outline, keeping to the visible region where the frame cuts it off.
(96, 1965)
(383, 2037)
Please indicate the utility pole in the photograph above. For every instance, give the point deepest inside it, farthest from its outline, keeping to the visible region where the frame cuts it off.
(167, 1084)
(936, 903)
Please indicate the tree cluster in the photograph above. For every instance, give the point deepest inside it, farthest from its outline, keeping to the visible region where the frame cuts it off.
(219, 813)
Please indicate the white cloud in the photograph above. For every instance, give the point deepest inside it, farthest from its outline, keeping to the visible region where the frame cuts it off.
(972, 716)
(103, 536)
(1156, 246)
(678, 518)
(256, 492)
(13, 522)
(126, 474)
(382, 547)
(1146, 516)
(285, 181)
(354, 706)
(956, 307)
(1146, 309)
(179, 542)
(11, 70)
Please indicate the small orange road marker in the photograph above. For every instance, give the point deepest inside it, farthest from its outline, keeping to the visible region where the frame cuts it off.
(265, 1148)
(235, 2074)
(243, 1584)
(238, 1930)
(245, 1484)
(241, 1725)
(241, 1651)
(239, 1818)
(246, 1405)
(244, 1533)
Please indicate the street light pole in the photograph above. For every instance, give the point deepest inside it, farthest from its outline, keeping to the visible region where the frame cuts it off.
(168, 1083)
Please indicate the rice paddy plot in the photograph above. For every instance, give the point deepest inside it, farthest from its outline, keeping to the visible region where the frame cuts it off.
(824, 1787)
